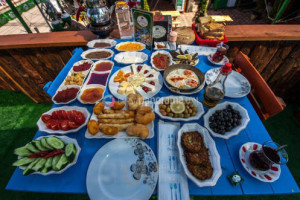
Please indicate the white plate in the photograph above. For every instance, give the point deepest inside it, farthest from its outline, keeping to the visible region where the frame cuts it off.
(186, 93)
(63, 87)
(83, 54)
(101, 61)
(121, 134)
(214, 156)
(181, 98)
(110, 173)
(236, 85)
(133, 57)
(91, 44)
(244, 121)
(87, 87)
(66, 140)
(269, 176)
(122, 43)
(114, 86)
(42, 126)
(161, 52)
(222, 62)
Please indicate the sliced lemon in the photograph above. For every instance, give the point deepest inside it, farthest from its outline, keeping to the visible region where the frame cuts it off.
(177, 107)
(181, 57)
(188, 56)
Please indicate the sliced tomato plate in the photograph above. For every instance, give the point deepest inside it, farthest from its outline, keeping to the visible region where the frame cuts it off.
(64, 120)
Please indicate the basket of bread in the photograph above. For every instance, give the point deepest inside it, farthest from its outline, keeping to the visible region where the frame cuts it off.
(209, 32)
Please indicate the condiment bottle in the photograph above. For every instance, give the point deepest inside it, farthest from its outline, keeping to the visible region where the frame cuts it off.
(215, 92)
(172, 40)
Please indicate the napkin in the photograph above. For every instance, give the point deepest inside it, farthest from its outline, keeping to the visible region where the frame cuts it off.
(201, 50)
(172, 181)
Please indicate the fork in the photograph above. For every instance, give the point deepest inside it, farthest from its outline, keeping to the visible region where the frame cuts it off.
(171, 191)
(179, 188)
(175, 189)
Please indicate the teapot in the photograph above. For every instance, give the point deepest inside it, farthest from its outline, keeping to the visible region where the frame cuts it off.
(98, 13)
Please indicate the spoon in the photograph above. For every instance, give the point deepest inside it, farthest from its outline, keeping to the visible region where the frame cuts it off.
(281, 147)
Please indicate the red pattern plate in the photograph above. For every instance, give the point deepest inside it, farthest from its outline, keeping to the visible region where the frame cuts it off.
(265, 176)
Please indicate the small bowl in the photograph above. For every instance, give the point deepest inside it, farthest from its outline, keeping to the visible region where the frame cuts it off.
(137, 57)
(83, 55)
(91, 44)
(101, 61)
(122, 43)
(244, 121)
(161, 52)
(188, 67)
(81, 62)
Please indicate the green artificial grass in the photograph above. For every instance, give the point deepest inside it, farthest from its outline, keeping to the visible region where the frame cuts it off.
(19, 114)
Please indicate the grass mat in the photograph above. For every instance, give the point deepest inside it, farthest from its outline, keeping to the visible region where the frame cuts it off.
(19, 114)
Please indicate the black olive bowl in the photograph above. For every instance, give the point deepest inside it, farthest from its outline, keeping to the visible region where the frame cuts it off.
(197, 71)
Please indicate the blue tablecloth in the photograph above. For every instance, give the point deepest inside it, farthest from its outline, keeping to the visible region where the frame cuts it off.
(73, 180)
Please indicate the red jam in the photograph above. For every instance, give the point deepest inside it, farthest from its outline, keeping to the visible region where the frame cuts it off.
(66, 95)
(103, 66)
(82, 67)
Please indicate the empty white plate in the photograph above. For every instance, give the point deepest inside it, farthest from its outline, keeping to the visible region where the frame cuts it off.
(123, 169)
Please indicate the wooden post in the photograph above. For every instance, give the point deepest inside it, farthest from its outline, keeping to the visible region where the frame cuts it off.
(13, 8)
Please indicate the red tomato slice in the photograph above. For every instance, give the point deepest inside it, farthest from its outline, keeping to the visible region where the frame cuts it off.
(54, 115)
(49, 122)
(59, 114)
(64, 125)
(73, 125)
(55, 125)
(64, 114)
(45, 118)
(79, 118)
(70, 115)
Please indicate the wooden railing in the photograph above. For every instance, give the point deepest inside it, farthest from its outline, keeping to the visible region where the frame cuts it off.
(28, 62)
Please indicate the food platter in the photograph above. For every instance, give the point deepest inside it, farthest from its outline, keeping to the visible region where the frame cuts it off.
(91, 44)
(66, 140)
(184, 57)
(235, 131)
(120, 134)
(137, 44)
(43, 128)
(128, 57)
(157, 79)
(236, 84)
(222, 62)
(114, 174)
(268, 176)
(198, 105)
(214, 156)
(161, 52)
(187, 79)
(81, 67)
(108, 54)
(95, 84)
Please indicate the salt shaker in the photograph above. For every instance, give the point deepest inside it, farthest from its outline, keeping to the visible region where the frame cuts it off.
(172, 40)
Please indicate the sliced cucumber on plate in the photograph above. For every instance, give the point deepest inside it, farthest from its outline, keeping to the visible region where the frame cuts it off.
(45, 155)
